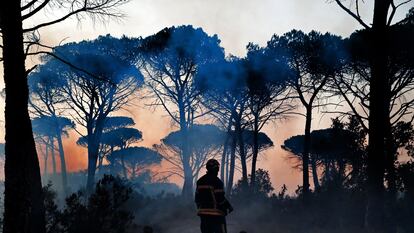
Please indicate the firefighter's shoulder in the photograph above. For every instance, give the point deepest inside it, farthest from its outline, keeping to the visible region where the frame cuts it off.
(218, 182)
(202, 180)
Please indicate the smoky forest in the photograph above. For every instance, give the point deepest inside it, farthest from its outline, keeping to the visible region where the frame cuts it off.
(186, 116)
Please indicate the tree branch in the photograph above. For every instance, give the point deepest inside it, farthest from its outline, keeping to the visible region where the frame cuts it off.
(97, 8)
(28, 5)
(37, 9)
(347, 10)
(394, 9)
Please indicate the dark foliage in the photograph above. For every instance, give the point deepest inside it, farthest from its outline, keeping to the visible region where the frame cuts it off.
(262, 187)
(104, 211)
(135, 161)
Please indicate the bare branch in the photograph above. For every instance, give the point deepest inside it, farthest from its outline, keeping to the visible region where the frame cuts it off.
(28, 5)
(71, 65)
(100, 7)
(34, 11)
(394, 9)
(355, 16)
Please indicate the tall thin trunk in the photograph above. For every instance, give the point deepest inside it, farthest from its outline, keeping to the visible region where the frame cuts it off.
(46, 157)
(91, 171)
(111, 165)
(100, 162)
(232, 163)
(390, 153)
(124, 170)
(92, 160)
(224, 156)
(227, 170)
(23, 199)
(188, 176)
(52, 154)
(377, 113)
(225, 148)
(305, 155)
(255, 149)
(392, 226)
(134, 173)
(62, 164)
(315, 173)
(195, 179)
(185, 150)
(240, 140)
(100, 158)
(391, 176)
(94, 137)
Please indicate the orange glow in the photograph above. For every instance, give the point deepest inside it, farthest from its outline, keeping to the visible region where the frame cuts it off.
(155, 125)
(76, 156)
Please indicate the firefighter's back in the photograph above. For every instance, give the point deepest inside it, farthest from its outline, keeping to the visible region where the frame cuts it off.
(211, 203)
(208, 195)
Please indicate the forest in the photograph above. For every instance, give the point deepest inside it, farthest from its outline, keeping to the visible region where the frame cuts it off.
(357, 175)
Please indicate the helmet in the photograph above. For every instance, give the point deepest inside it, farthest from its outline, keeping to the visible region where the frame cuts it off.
(212, 164)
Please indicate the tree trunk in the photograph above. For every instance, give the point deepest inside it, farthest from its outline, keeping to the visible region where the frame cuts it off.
(391, 200)
(94, 137)
(187, 191)
(224, 156)
(391, 150)
(225, 148)
(378, 112)
(315, 173)
(111, 164)
(195, 179)
(232, 163)
(240, 140)
(46, 157)
(390, 147)
(391, 176)
(52, 154)
(255, 150)
(391, 153)
(92, 159)
(305, 155)
(94, 140)
(100, 162)
(226, 180)
(62, 164)
(23, 199)
(124, 170)
(134, 173)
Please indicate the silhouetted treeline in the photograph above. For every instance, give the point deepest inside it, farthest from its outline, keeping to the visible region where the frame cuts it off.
(80, 86)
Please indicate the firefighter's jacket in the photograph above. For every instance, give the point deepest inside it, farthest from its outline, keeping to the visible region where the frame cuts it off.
(210, 198)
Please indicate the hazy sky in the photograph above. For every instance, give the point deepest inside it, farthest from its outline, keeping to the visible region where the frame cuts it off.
(236, 22)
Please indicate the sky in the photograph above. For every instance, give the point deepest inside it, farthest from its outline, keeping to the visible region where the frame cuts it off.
(236, 22)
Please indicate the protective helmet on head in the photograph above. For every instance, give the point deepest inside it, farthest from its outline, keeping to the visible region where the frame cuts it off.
(212, 164)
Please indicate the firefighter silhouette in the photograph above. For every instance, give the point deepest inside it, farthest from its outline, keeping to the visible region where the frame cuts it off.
(211, 203)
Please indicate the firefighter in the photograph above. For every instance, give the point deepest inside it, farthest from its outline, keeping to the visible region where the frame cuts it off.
(211, 203)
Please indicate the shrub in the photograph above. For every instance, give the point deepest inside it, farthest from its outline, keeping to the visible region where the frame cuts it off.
(101, 212)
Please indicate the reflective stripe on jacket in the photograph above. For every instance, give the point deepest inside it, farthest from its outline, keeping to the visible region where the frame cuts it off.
(210, 197)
